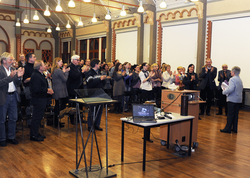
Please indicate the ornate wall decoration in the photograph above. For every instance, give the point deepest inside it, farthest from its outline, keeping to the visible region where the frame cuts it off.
(106, 24)
(159, 43)
(124, 23)
(18, 45)
(65, 34)
(138, 19)
(36, 34)
(173, 15)
(150, 18)
(209, 39)
(6, 17)
(199, 6)
(47, 55)
(8, 39)
(113, 45)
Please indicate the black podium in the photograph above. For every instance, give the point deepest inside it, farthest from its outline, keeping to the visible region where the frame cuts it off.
(94, 99)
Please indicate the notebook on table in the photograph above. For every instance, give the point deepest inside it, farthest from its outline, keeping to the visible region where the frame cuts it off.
(143, 113)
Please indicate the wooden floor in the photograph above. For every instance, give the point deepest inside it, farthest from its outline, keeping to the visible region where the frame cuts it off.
(218, 154)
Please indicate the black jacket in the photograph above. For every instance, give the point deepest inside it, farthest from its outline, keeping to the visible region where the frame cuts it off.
(93, 79)
(28, 70)
(135, 78)
(75, 79)
(38, 85)
(190, 85)
(208, 78)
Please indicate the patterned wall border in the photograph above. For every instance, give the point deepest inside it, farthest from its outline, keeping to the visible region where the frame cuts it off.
(65, 34)
(8, 39)
(174, 14)
(209, 39)
(37, 34)
(124, 23)
(6, 17)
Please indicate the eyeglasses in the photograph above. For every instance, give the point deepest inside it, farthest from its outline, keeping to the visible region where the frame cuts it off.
(77, 59)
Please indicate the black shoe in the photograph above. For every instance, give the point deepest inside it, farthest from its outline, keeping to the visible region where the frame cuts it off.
(98, 128)
(208, 114)
(219, 113)
(3, 143)
(201, 113)
(199, 118)
(36, 138)
(43, 136)
(12, 141)
(234, 131)
(225, 131)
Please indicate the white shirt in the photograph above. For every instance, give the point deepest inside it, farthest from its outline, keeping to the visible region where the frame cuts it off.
(12, 87)
(146, 85)
(167, 79)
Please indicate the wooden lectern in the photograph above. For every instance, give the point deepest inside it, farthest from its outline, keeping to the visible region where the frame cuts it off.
(171, 102)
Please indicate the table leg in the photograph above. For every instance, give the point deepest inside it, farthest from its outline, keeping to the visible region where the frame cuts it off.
(122, 154)
(144, 150)
(190, 137)
(168, 136)
(148, 135)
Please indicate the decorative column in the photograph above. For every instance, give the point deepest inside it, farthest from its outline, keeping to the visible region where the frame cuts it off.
(159, 43)
(73, 39)
(18, 32)
(113, 44)
(152, 42)
(140, 37)
(108, 28)
(209, 39)
(201, 41)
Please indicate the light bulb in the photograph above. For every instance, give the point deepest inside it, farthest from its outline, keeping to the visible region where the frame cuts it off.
(58, 27)
(26, 20)
(47, 12)
(68, 25)
(49, 30)
(94, 18)
(123, 12)
(18, 23)
(80, 22)
(194, 0)
(36, 17)
(87, 0)
(140, 9)
(163, 5)
(108, 16)
(58, 7)
(71, 4)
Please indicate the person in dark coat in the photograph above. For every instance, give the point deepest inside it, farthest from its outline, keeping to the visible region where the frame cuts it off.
(223, 76)
(207, 86)
(190, 80)
(94, 79)
(39, 91)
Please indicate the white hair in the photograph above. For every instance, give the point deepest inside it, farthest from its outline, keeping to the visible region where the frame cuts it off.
(74, 57)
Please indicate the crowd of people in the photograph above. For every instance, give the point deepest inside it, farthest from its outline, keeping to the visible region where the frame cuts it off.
(39, 82)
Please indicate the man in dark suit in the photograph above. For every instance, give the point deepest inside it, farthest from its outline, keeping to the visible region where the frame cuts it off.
(75, 78)
(223, 75)
(207, 86)
(94, 79)
(39, 90)
(9, 80)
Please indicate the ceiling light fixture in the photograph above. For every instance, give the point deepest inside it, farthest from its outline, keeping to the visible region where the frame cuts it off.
(140, 8)
(163, 4)
(58, 7)
(94, 18)
(71, 4)
(26, 20)
(108, 16)
(87, 0)
(123, 12)
(58, 27)
(18, 24)
(36, 17)
(80, 22)
(49, 30)
(68, 25)
(47, 12)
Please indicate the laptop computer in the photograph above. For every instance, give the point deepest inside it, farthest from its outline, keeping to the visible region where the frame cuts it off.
(143, 113)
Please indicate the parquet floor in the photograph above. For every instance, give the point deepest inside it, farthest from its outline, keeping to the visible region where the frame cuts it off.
(218, 154)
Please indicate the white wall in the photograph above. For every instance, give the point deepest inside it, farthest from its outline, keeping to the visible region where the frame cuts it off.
(146, 42)
(231, 45)
(126, 47)
(179, 45)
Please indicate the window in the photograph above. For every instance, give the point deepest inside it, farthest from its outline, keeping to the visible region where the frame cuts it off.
(66, 55)
(83, 49)
(94, 48)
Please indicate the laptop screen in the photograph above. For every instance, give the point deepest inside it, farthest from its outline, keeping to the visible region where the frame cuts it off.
(143, 111)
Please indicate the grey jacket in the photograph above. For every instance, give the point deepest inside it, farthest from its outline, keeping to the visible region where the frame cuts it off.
(59, 84)
(4, 84)
(234, 90)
